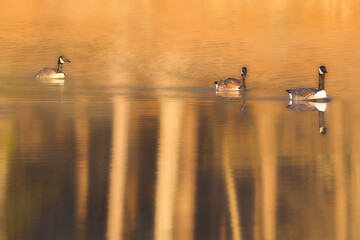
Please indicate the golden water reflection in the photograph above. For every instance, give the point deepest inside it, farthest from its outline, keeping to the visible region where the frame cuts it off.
(209, 186)
(178, 168)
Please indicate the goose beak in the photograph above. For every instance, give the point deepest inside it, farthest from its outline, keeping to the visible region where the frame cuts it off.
(67, 60)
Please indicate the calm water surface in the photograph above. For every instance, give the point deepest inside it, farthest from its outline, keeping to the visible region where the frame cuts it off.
(136, 144)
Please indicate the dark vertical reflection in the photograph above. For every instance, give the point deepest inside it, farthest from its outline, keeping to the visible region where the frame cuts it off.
(41, 184)
(5, 134)
(144, 141)
(82, 169)
(100, 150)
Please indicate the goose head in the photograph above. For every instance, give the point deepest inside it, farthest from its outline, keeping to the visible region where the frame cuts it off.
(322, 70)
(63, 59)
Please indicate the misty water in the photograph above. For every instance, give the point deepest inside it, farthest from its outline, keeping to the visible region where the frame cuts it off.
(136, 143)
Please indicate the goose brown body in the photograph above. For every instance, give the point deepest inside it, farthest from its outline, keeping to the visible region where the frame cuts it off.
(232, 84)
(50, 73)
(300, 94)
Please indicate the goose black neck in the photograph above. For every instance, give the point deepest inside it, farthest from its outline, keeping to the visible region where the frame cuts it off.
(243, 86)
(321, 82)
(60, 67)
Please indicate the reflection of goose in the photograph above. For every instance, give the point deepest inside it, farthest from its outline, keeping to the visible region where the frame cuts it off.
(54, 72)
(236, 95)
(52, 81)
(305, 106)
(322, 128)
(310, 93)
(232, 84)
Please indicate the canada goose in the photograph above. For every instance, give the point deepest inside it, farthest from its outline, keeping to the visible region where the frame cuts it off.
(310, 93)
(54, 72)
(232, 84)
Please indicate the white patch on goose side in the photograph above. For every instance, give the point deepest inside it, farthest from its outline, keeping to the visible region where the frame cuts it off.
(320, 94)
(320, 106)
(290, 95)
(59, 75)
(217, 87)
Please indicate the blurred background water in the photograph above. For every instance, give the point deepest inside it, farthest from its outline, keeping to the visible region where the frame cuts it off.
(136, 144)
